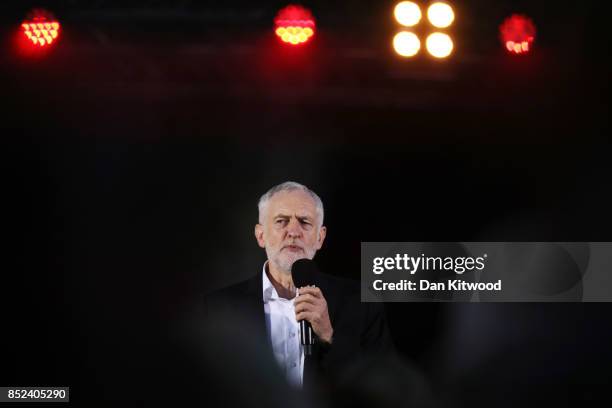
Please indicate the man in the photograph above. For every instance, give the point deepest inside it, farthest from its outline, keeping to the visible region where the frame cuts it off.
(291, 227)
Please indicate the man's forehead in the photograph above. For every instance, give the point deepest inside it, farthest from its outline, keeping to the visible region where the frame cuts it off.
(292, 202)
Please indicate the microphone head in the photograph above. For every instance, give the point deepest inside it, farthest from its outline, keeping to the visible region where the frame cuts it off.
(304, 273)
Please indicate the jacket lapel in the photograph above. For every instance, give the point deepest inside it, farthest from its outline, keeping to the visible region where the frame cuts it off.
(253, 296)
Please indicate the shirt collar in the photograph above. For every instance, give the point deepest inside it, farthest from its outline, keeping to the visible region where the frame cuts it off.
(269, 292)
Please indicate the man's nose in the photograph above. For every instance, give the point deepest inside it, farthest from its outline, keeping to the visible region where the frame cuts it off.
(293, 228)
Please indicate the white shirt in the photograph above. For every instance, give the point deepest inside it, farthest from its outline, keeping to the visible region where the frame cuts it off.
(283, 332)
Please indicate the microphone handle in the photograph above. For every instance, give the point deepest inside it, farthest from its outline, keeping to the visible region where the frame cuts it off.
(306, 336)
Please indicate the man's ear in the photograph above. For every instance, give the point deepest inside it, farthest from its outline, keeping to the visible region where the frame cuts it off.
(259, 235)
(321, 237)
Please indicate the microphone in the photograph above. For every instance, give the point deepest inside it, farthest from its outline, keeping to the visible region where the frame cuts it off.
(304, 273)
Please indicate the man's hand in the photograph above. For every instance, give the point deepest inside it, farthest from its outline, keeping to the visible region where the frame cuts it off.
(310, 305)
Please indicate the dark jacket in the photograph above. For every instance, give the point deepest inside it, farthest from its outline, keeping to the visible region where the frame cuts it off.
(360, 329)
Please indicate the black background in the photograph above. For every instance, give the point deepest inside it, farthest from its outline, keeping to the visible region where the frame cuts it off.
(136, 150)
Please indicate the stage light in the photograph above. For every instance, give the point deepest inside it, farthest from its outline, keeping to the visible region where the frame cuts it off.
(406, 44)
(294, 25)
(440, 15)
(40, 29)
(439, 45)
(517, 34)
(407, 13)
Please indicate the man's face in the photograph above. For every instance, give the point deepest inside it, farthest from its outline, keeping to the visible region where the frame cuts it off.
(290, 229)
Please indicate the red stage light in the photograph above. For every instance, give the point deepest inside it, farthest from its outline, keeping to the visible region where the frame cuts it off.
(294, 25)
(517, 33)
(40, 29)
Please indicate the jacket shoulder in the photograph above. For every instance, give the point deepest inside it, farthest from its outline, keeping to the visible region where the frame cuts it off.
(233, 298)
(231, 290)
(340, 286)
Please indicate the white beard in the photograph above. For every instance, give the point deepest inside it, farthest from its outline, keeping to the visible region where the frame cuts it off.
(283, 262)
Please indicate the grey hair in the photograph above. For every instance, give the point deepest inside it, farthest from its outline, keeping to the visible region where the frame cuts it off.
(286, 187)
